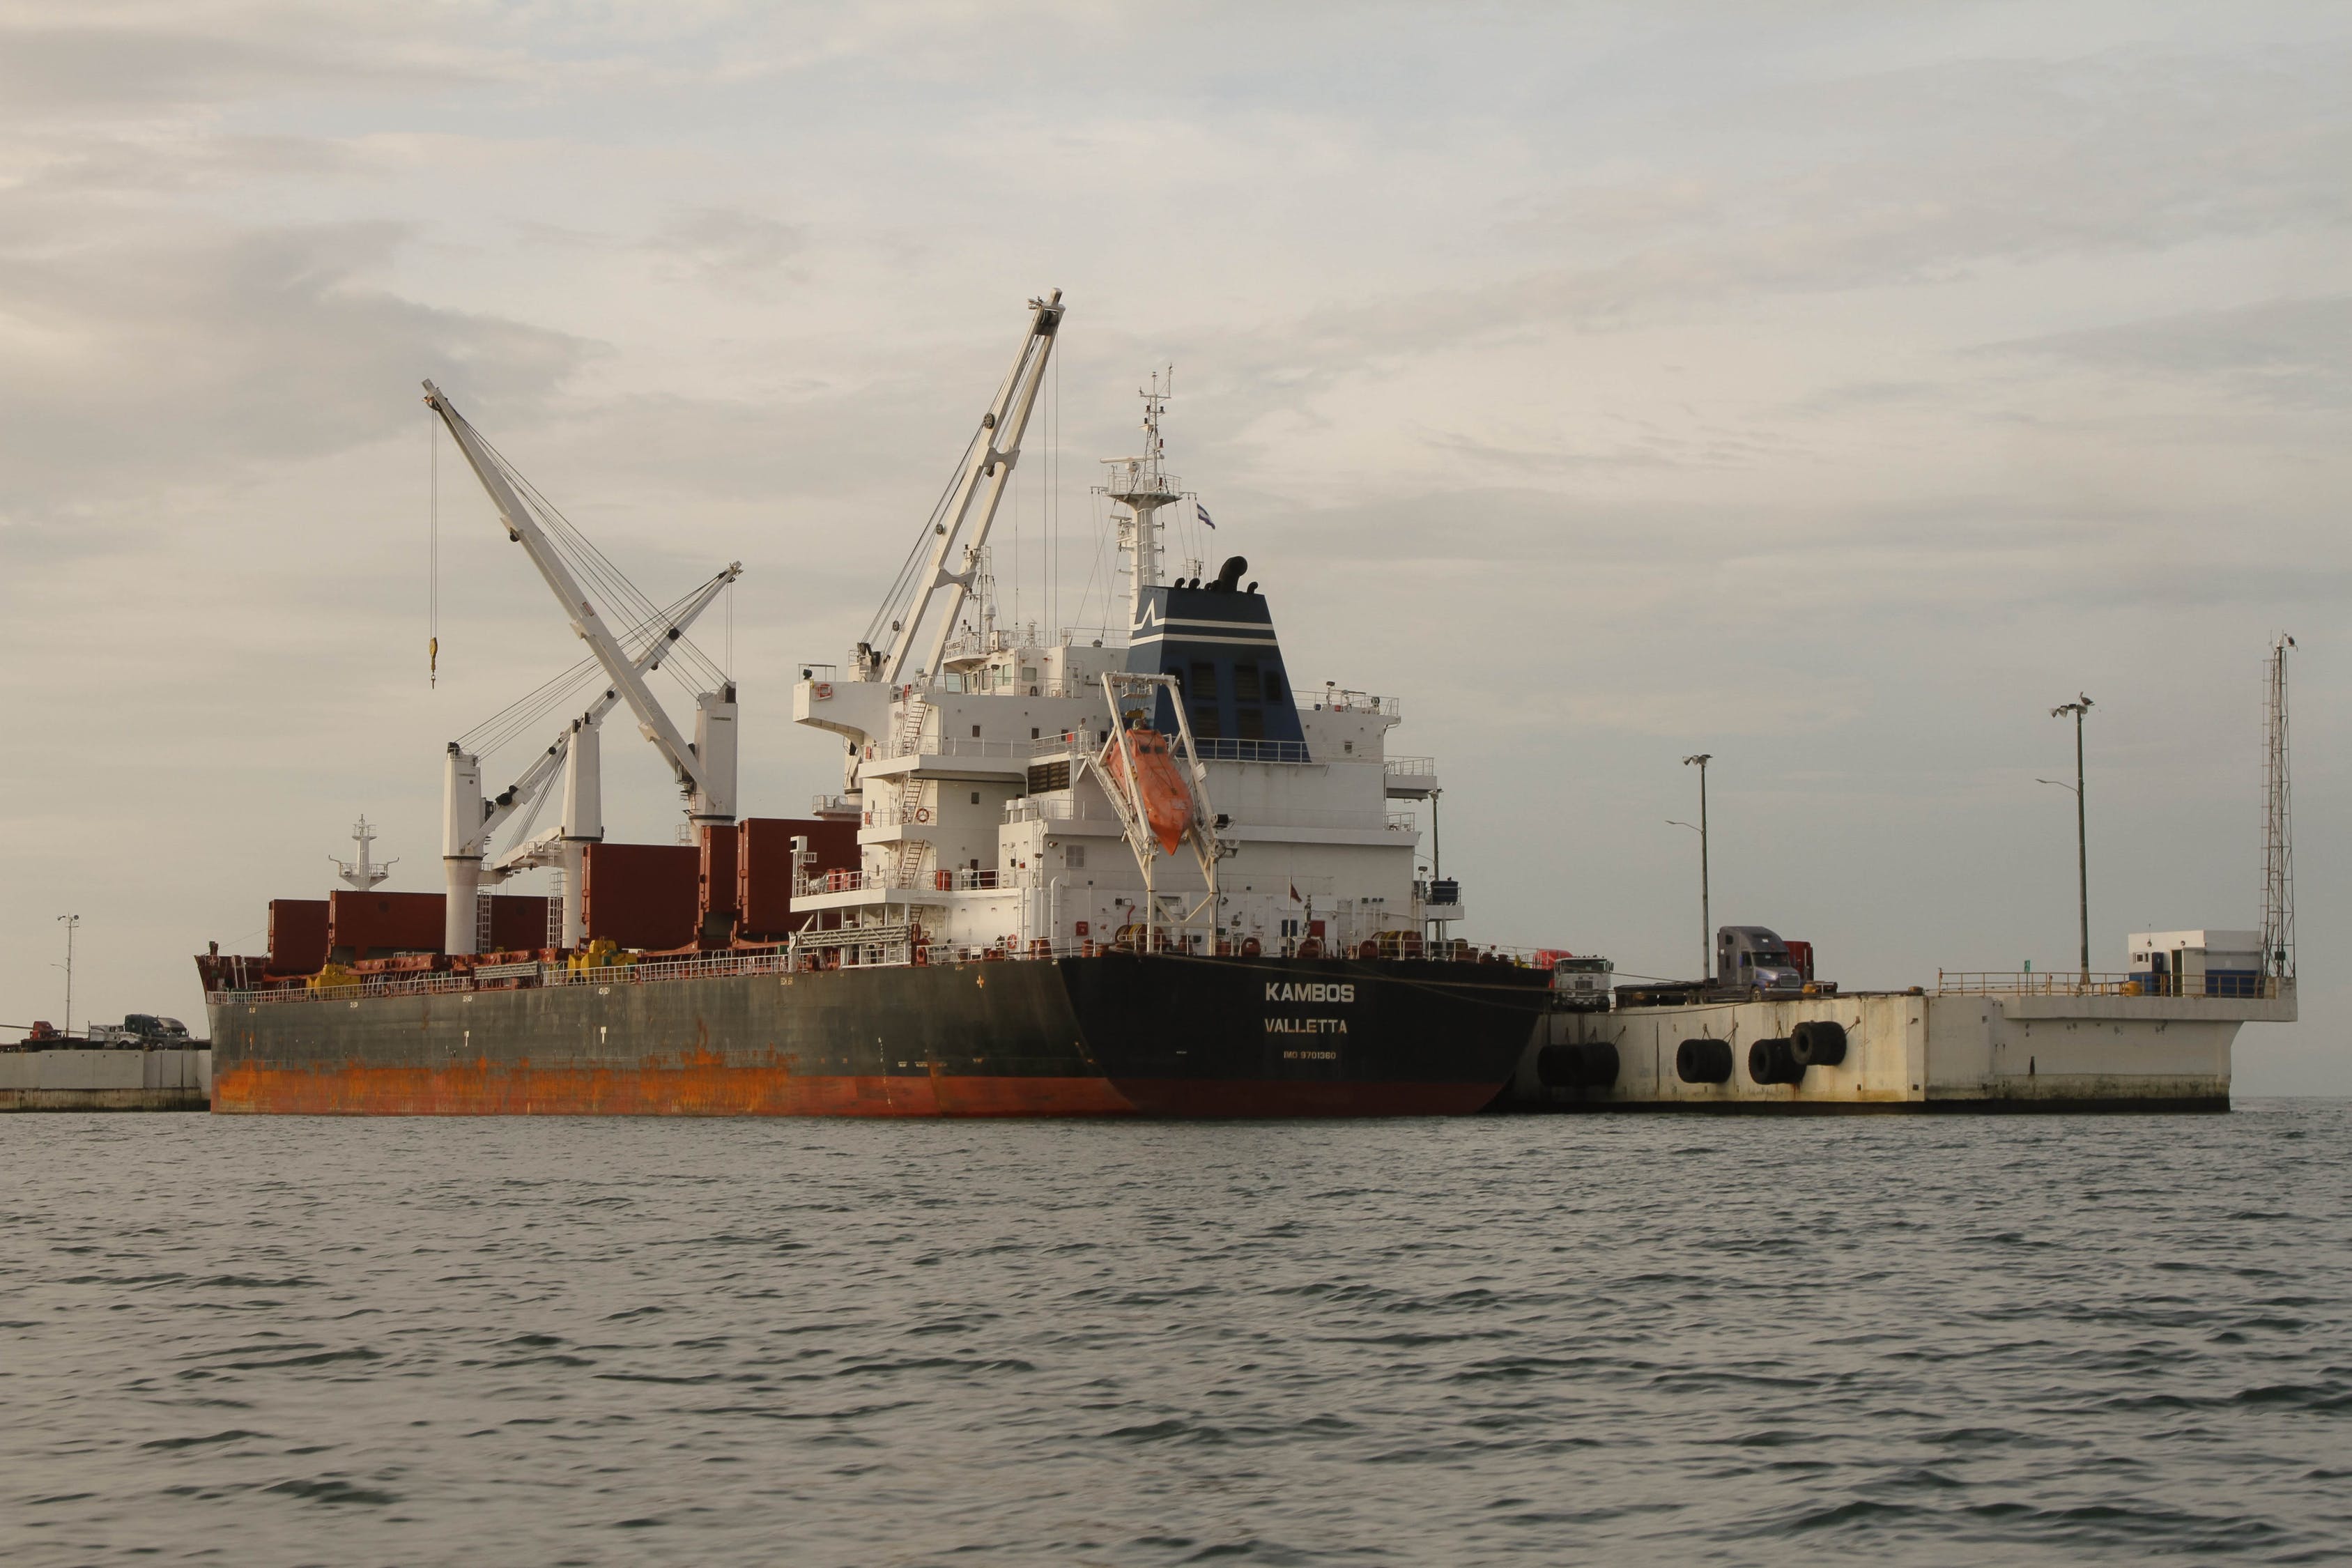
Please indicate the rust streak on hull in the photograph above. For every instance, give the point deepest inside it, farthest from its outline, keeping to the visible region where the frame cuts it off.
(706, 1088)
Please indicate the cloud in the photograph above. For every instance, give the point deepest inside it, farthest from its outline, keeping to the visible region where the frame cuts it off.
(82, 60)
(727, 246)
(2292, 353)
(154, 358)
(1970, 165)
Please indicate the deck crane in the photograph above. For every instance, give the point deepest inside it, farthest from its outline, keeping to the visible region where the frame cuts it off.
(994, 452)
(577, 754)
(704, 768)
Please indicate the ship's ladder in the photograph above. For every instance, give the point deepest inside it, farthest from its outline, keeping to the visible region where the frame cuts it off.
(908, 852)
(910, 724)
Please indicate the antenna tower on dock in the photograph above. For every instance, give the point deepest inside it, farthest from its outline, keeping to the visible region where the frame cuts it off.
(2278, 841)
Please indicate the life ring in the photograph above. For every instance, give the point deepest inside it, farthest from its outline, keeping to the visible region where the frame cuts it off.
(922, 814)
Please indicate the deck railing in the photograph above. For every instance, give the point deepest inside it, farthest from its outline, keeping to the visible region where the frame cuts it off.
(852, 947)
(2228, 985)
(1223, 749)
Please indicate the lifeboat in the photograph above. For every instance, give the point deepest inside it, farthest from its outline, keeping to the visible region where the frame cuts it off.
(1167, 803)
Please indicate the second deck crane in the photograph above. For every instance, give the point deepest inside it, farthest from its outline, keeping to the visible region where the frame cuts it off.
(705, 767)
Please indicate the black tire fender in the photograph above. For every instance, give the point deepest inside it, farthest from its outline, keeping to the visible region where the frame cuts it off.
(1593, 1065)
(1770, 1061)
(1703, 1061)
(1819, 1043)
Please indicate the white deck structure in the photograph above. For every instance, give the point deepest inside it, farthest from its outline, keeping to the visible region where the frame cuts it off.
(986, 816)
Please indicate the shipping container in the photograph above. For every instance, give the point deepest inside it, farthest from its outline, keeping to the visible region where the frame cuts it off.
(297, 935)
(377, 925)
(517, 923)
(764, 868)
(640, 895)
(716, 889)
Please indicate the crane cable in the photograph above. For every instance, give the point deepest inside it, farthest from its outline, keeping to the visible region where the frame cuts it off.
(905, 597)
(526, 711)
(602, 575)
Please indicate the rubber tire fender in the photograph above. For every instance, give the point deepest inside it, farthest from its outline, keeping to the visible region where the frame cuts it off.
(1818, 1043)
(1592, 1066)
(1703, 1061)
(1770, 1061)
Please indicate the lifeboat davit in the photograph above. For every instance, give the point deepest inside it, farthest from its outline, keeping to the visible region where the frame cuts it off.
(1167, 803)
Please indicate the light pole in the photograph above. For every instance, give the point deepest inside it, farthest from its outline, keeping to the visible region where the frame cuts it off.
(2076, 709)
(70, 922)
(1706, 907)
(1437, 862)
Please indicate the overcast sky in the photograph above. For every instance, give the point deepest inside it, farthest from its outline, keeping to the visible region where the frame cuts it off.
(1832, 388)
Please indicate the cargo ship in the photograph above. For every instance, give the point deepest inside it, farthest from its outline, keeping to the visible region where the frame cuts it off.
(1066, 875)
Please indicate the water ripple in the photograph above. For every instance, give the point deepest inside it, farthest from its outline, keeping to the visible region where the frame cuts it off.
(1478, 1341)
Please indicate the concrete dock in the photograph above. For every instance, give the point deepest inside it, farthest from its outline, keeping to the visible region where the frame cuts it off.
(1915, 1051)
(164, 1079)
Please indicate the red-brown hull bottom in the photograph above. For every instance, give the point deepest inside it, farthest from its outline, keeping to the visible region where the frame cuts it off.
(695, 1088)
(1244, 1098)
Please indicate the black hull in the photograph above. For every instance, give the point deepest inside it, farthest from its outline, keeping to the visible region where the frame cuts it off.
(1217, 1036)
(1114, 1035)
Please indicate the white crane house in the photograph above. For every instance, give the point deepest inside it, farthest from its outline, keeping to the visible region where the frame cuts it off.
(705, 767)
(995, 783)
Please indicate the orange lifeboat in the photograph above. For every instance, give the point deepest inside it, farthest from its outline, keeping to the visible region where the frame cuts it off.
(1167, 803)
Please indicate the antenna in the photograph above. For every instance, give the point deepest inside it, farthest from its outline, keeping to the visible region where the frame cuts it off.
(2278, 842)
(1141, 485)
(362, 873)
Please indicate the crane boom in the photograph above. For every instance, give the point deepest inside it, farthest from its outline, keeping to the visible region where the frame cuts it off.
(544, 766)
(523, 527)
(993, 457)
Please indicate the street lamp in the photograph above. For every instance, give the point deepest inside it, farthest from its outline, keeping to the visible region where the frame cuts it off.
(70, 922)
(1705, 908)
(2076, 709)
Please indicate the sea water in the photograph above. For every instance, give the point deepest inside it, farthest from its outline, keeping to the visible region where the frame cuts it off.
(1493, 1340)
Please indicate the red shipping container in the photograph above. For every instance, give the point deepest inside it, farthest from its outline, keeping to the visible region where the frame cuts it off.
(716, 889)
(639, 895)
(517, 923)
(1801, 954)
(377, 925)
(764, 868)
(297, 935)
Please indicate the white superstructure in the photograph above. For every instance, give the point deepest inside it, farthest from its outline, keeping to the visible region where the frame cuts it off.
(988, 819)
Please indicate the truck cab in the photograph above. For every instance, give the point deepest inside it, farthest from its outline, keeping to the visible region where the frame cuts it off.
(1582, 985)
(1753, 963)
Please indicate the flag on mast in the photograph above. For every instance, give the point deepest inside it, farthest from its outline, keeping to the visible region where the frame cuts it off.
(1206, 521)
